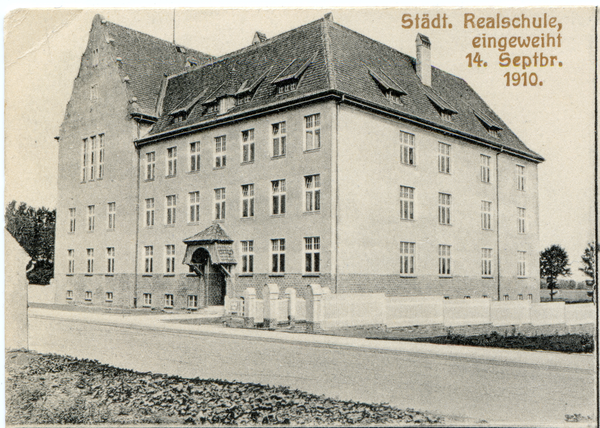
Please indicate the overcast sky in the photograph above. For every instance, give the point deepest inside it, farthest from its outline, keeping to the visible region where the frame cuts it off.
(43, 49)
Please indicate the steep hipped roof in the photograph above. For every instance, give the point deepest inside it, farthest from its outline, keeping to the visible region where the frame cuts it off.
(146, 60)
(213, 233)
(326, 58)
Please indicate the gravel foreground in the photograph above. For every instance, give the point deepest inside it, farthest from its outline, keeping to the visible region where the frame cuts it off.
(51, 389)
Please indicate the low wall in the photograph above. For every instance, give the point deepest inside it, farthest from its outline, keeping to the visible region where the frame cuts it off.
(510, 313)
(42, 293)
(407, 311)
(300, 309)
(353, 309)
(466, 312)
(547, 313)
(581, 313)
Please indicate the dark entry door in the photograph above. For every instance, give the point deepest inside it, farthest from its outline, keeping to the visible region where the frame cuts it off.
(212, 277)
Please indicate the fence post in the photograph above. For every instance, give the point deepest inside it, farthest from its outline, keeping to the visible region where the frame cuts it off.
(290, 295)
(314, 307)
(270, 306)
(249, 307)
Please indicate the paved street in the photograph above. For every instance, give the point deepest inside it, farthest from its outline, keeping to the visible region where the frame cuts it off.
(499, 386)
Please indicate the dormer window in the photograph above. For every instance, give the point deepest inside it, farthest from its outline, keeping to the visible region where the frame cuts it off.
(180, 117)
(246, 98)
(289, 78)
(248, 88)
(288, 87)
(392, 91)
(393, 97)
(446, 116)
(443, 107)
(212, 107)
(488, 123)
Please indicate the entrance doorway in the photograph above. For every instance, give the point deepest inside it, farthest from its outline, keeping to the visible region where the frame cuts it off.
(211, 276)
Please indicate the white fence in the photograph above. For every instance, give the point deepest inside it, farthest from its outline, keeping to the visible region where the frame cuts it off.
(327, 310)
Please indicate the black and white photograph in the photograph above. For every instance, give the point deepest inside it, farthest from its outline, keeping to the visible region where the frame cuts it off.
(319, 216)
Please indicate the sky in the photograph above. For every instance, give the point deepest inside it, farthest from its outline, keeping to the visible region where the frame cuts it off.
(43, 50)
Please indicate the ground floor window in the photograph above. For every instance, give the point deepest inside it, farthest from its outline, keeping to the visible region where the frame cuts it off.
(168, 300)
(444, 260)
(69, 294)
(247, 256)
(147, 299)
(88, 296)
(278, 255)
(109, 296)
(530, 297)
(506, 297)
(312, 254)
(192, 301)
(407, 258)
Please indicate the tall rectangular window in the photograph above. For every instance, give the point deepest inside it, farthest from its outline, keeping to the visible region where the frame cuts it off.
(248, 145)
(407, 203)
(168, 300)
(486, 262)
(444, 208)
(192, 301)
(147, 299)
(220, 151)
(170, 258)
(112, 215)
(247, 200)
(150, 165)
(88, 296)
(72, 218)
(95, 57)
(312, 131)
(93, 157)
(90, 260)
(407, 258)
(150, 212)
(110, 260)
(91, 217)
(278, 255)
(444, 260)
(171, 209)
(521, 268)
(171, 161)
(407, 148)
(521, 220)
(194, 207)
(195, 156)
(278, 192)
(84, 159)
(521, 177)
(71, 259)
(312, 191)
(69, 294)
(312, 254)
(220, 204)
(486, 215)
(148, 259)
(100, 156)
(279, 137)
(444, 158)
(247, 256)
(485, 168)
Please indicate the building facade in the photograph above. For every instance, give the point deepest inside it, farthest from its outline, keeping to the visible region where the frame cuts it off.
(316, 156)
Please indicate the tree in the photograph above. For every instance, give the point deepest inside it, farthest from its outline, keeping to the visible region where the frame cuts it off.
(34, 231)
(554, 262)
(589, 266)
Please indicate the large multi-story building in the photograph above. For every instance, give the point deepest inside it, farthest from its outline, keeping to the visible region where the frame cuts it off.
(316, 156)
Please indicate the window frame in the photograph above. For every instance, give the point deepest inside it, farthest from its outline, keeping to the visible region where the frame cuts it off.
(194, 149)
(487, 258)
(408, 253)
(248, 147)
(148, 260)
(150, 212)
(192, 298)
(312, 193)
(220, 154)
(279, 139)
(171, 210)
(90, 261)
(170, 259)
(150, 166)
(444, 155)
(71, 261)
(521, 264)
(110, 259)
(194, 207)
(88, 296)
(521, 178)
(220, 198)
(169, 301)
(171, 162)
(444, 261)
(111, 212)
(521, 221)
(312, 255)
(279, 194)
(247, 204)
(277, 256)
(485, 171)
(69, 295)
(72, 219)
(109, 296)
(147, 299)
(444, 205)
(312, 127)
(407, 203)
(247, 252)
(407, 149)
(91, 218)
(486, 215)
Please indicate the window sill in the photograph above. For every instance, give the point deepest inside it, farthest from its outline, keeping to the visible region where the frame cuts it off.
(445, 277)
(169, 275)
(444, 224)
(277, 215)
(487, 277)
(276, 275)
(217, 168)
(318, 149)
(522, 277)
(247, 163)
(317, 212)
(191, 275)
(146, 306)
(69, 298)
(108, 301)
(170, 225)
(487, 230)
(196, 171)
(407, 276)
(149, 180)
(146, 275)
(192, 309)
(89, 274)
(411, 220)
(168, 307)
(70, 274)
(70, 233)
(170, 176)
(277, 157)
(245, 275)
(408, 164)
(193, 223)
(89, 231)
(311, 275)
(247, 218)
(110, 275)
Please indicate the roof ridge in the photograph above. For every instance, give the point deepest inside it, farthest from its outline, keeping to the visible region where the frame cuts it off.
(327, 54)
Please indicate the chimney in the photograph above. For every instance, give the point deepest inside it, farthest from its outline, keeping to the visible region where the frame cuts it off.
(424, 59)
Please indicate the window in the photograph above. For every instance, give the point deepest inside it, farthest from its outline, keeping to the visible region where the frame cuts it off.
(407, 148)
(278, 134)
(71, 259)
(521, 268)
(530, 297)
(100, 156)
(192, 302)
(521, 177)
(109, 296)
(486, 262)
(521, 220)
(171, 209)
(150, 212)
(94, 93)
(248, 145)
(485, 168)
(170, 258)
(171, 161)
(467, 297)
(444, 260)
(312, 254)
(147, 299)
(519, 297)
(486, 215)
(91, 218)
(150, 165)
(287, 87)
(95, 57)
(506, 297)
(278, 190)
(195, 156)
(84, 160)
(112, 215)
(248, 200)
(312, 126)
(312, 184)
(220, 204)
(446, 116)
(194, 207)
(213, 107)
(393, 97)
(110, 259)
(88, 296)
(93, 157)
(444, 158)
(444, 208)
(247, 256)
(168, 300)
(220, 149)
(407, 258)
(69, 294)
(90, 260)
(278, 255)
(407, 197)
(72, 214)
(148, 259)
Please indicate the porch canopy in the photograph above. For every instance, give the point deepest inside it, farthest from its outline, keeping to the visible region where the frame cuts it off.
(215, 241)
